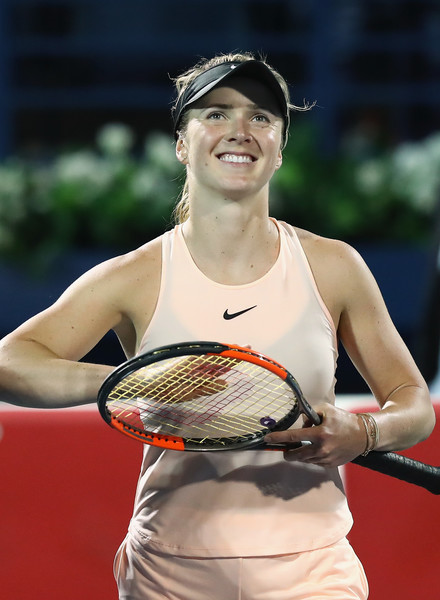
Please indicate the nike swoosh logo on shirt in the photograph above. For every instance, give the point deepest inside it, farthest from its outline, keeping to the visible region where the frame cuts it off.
(228, 316)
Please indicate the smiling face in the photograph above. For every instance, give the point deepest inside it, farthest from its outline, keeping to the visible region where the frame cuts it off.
(232, 141)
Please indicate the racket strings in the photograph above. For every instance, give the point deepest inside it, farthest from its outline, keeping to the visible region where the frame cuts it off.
(221, 403)
(204, 397)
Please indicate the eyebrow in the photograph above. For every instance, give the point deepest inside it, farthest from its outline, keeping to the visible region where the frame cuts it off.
(231, 106)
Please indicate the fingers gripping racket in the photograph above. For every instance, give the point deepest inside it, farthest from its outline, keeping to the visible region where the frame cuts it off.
(205, 396)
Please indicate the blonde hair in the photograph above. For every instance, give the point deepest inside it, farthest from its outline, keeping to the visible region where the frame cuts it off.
(181, 210)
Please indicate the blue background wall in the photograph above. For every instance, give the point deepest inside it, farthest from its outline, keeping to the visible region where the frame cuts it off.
(67, 67)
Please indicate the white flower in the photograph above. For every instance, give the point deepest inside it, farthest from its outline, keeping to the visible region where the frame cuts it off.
(91, 172)
(371, 175)
(115, 139)
(12, 192)
(159, 150)
(415, 174)
(144, 183)
(12, 180)
(432, 146)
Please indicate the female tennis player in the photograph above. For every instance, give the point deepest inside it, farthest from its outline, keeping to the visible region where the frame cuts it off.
(238, 524)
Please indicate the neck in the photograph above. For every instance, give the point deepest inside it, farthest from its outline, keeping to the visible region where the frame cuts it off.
(233, 246)
(232, 213)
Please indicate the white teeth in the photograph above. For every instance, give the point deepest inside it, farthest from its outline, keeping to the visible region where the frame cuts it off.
(236, 158)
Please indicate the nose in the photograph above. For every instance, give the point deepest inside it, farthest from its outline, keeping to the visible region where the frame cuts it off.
(239, 131)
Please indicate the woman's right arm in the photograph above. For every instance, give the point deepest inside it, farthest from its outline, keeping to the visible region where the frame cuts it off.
(39, 361)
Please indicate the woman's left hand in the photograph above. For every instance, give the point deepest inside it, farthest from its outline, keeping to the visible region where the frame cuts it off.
(339, 438)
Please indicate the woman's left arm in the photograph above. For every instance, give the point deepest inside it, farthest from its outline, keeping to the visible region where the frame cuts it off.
(375, 347)
(365, 328)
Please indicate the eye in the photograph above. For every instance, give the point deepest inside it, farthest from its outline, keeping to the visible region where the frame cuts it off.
(261, 118)
(215, 115)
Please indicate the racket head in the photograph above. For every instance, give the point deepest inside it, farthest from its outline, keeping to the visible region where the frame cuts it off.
(201, 396)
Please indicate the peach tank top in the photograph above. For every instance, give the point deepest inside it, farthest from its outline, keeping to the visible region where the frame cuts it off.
(247, 503)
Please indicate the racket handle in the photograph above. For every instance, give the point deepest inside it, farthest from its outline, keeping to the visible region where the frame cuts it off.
(315, 417)
(404, 468)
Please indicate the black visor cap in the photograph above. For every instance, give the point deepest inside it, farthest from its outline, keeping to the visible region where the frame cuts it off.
(207, 80)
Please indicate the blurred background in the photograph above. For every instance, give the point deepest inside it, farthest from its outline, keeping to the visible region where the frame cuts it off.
(87, 170)
(87, 160)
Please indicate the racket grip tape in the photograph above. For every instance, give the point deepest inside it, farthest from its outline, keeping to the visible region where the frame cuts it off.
(404, 468)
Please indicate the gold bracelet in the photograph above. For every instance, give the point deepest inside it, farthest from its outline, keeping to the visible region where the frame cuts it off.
(372, 431)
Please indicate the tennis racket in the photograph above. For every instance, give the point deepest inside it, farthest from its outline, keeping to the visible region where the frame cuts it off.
(202, 396)
(206, 396)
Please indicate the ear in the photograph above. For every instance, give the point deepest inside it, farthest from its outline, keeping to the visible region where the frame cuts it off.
(181, 151)
(279, 161)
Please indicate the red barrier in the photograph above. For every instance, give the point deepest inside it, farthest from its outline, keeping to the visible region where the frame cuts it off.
(67, 494)
(68, 484)
(397, 528)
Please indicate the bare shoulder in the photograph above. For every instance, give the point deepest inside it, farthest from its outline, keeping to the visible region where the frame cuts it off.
(119, 294)
(123, 279)
(144, 262)
(315, 243)
(341, 274)
(132, 282)
(324, 253)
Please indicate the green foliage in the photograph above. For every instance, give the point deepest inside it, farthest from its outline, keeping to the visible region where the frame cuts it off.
(110, 197)
(106, 198)
(391, 196)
